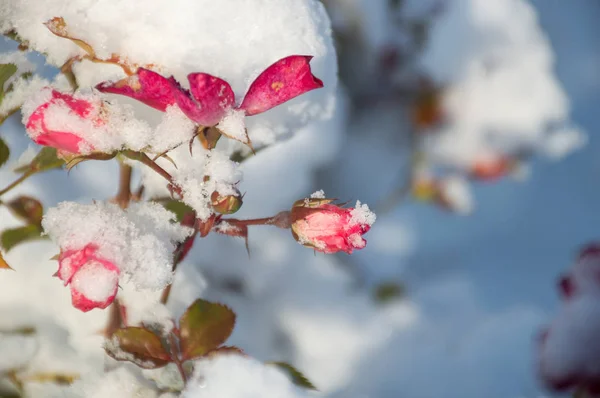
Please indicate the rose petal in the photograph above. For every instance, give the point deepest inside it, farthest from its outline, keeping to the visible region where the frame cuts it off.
(145, 86)
(213, 95)
(62, 141)
(94, 285)
(285, 79)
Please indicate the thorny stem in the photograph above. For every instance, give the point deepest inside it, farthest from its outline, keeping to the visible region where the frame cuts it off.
(280, 220)
(124, 194)
(175, 357)
(143, 158)
(16, 182)
(115, 318)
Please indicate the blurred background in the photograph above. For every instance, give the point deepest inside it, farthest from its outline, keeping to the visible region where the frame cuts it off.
(468, 126)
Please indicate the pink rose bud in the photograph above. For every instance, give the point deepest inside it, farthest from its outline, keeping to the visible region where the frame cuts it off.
(285, 79)
(226, 204)
(59, 118)
(145, 86)
(330, 228)
(93, 279)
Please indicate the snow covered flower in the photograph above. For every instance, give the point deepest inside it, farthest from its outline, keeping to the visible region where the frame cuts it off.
(59, 120)
(330, 228)
(212, 100)
(93, 279)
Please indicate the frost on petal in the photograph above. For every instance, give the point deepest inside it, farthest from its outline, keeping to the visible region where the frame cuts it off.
(285, 79)
(145, 86)
(139, 240)
(94, 285)
(213, 95)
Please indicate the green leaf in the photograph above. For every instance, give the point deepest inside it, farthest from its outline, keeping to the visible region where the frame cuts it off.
(4, 152)
(137, 345)
(46, 159)
(294, 374)
(388, 291)
(179, 208)
(15, 236)
(28, 209)
(6, 71)
(203, 327)
(225, 350)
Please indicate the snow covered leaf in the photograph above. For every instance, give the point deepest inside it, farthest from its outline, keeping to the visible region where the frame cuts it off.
(3, 263)
(225, 350)
(137, 345)
(46, 159)
(51, 377)
(6, 72)
(145, 86)
(294, 374)
(15, 236)
(285, 79)
(4, 152)
(203, 327)
(28, 209)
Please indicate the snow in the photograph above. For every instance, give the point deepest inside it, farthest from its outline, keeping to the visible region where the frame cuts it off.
(476, 289)
(233, 125)
(222, 175)
(189, 44)
(214, 378)
(139, 240)
(361, 214)
(94, 281)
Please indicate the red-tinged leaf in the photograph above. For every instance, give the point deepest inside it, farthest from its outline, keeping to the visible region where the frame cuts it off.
(214, 95)
(203, 327)
(28, 209)
(137, 345)
(225, 350)
(204, 227)
(4, 152)
(294, 374)
(15, 236)
(187, 104)
(285, 79)
(145, 86)
(3, 263)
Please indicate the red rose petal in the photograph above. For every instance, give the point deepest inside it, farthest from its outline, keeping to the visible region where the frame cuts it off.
(145, 86)
(285, 79)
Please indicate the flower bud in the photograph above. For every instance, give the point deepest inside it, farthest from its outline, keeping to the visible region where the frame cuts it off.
(330, 228)
(227, 204)
(60, 120)
(93, 279)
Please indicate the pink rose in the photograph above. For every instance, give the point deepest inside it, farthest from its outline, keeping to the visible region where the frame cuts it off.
(61, 119)
(93, 279)
(211, 98)
(329, 228)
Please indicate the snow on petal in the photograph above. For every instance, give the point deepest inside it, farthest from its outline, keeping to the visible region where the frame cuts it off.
(94, 285)
(213, 95)
(145, 86)
(139, 241)
(285, 79)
